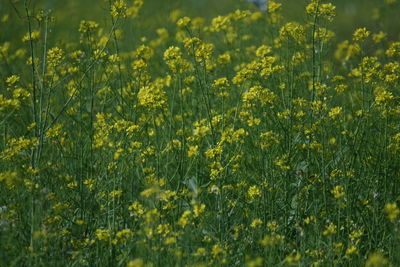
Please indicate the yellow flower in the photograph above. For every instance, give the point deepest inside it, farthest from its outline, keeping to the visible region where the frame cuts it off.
(338, 192)
(255, 223)
(149, 191)
(115, 193)
(263, 51)
(170, 240)
(258, 93)
(9, 178)
(376, 260)
(152, 96)
(87, 26)
(315, 8)
(294, 30)
(185, 218)
(351, 250)
(257, 262)
(220, 23)
(217, 250)
(136, 209)
(253, 192)
(32, 36)
(392, 211)
(383, 96)
(118, 9)
(361, 34)
(193, 151)
(224, 59)
(379, 37)
(272, 240)
(133, 11)
(122, 236)
(330, 229)
(143, 52)
(282, 162)
(393, 50)
(198, 210)
(293, 258)
(103, 234)
(136, 263)
(183, 22)
(200, 252)
(12, 80)
(213, 152)
(310, 219)
(334, 112)
(328, 11)
(390, 2)
(273, 7)
(17, 146)
(267, 139)
(174, 59)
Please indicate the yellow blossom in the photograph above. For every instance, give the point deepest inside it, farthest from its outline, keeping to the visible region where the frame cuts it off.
(392, 211)
(376, 260)
(103, 234)
(335, 112)
(330, 229)
(338, 192)
(255, 223)
(136, 263)
(32, 36)
(253, 192)
(183, 22)
(361, 34)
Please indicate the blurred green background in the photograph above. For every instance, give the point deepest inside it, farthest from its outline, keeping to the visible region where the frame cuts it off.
(374, 14)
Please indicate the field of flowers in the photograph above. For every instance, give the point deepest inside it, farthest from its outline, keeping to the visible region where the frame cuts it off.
(188, 133)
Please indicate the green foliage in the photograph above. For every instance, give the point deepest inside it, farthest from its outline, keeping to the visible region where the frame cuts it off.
(157, 133)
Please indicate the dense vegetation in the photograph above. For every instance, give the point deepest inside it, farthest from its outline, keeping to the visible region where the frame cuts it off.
(139, 134)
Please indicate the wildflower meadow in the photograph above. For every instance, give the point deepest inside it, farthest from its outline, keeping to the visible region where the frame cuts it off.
(145, 133)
